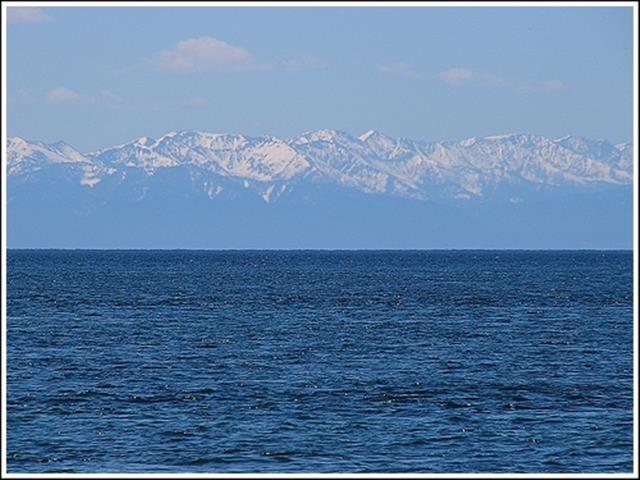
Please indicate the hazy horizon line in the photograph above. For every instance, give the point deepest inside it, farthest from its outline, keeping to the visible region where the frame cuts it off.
(240, 249)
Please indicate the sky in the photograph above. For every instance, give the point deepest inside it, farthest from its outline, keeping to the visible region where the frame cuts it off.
(96, 77)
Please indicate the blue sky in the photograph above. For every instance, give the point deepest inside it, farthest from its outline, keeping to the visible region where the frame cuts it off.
(95, 77)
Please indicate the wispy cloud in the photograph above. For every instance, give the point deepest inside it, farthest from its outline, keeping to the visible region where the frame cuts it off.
(397, 68)
(547, 86)
(466, 76)
(212, 55)
(114, 100)
(66, 95)
(493, 80)
(141, 104)
(26, 15)
(306, 62)
(109, 99)
(457, 76)
(21, 96)
(195, 102)
(460, 76)
(203, 54)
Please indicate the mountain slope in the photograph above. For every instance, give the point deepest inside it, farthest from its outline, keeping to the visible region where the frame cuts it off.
(371, 163)
(233, 190)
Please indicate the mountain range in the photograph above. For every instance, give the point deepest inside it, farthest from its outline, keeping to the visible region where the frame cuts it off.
(323, 189)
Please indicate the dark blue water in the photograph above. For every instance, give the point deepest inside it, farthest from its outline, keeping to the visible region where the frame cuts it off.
(158, 361)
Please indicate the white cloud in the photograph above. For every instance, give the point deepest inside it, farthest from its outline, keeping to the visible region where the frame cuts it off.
(397, 68)
(465, 76)
(66, 95)
(208, 54)
(457, 76)
(204, 54)
(492, 80)
(26, 14)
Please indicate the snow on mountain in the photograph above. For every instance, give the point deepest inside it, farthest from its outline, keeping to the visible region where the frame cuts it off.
(489, 161)
(625, 160)
(139, 153)
(25, 157)
(260, 159)
(371, 163)
(349, 161)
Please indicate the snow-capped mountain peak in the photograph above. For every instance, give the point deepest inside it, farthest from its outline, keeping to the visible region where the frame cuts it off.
(371, 162)
(368, 134)
(24, 155)
(322, 135)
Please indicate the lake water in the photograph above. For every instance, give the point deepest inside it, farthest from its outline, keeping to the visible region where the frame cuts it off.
(317, 361)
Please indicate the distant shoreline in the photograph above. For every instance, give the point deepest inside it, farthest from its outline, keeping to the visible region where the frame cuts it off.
(337, 250)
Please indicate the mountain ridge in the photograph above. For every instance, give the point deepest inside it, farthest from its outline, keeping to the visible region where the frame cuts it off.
(371, 163)
(322, 189)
